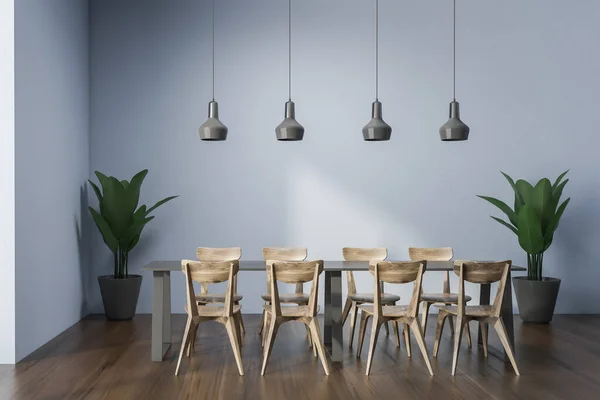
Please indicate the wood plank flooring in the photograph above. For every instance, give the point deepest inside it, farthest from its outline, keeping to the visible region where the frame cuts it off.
(97, 359)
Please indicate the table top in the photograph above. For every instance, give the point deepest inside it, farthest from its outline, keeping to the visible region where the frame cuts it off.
(249, 265)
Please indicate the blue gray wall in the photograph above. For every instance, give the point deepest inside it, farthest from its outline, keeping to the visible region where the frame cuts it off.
(526, 79)
(7, 182)
(52, 164)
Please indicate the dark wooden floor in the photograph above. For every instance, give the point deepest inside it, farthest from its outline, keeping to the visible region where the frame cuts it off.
(97, 359)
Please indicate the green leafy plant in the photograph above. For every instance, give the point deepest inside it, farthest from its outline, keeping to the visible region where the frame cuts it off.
(534, 218)
(119, 219)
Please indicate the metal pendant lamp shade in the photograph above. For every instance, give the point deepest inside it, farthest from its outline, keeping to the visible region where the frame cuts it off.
(213, 129)
(454, 130)
(290, 130)
(377, 130)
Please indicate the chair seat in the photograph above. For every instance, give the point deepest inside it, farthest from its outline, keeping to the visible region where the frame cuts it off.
(470, 311)
(388, 311)
(213, 311)
(293, 311)
(386, 298)
(216, 298)
(296, 298)
(442, 297)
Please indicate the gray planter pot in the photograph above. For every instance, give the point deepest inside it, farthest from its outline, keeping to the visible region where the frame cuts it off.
(536, 299)
(120, 296)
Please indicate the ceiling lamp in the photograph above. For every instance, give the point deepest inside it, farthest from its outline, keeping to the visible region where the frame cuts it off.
(454, 130)
(376, 129)
(213, 129)
(290, 129)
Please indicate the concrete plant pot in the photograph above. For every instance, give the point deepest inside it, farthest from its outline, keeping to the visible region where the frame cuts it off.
(536, 299)
(120, 296)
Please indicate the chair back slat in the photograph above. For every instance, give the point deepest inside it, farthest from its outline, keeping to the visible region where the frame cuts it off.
(397, 272)
(296, 272)
(361, 254)
(284, 253)
(210, 272)
(430, 253)
(218, 253)
(481, 272)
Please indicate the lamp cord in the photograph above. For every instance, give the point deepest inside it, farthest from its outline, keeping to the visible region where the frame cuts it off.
(213, 50)
(290, 50)
(454, 55)
(376, 50)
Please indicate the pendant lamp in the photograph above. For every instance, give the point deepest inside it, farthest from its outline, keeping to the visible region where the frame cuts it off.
(376, 130)
(213, 129)
(290, 129)
(454, 130)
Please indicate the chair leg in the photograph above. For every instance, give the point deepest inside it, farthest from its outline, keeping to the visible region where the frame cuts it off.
(353, 312)
(308, 336)
(406, 333)
(266, 323)
(451, 324)
(192, 344)
(237, 318)
(484, 337)
(417, 331)
(424, 315)
(347, 307)
(241, 321)
(501, 330)
(232, 327)
(314, 348)
(396, 332)
(273, 326)
(438, 332)
(262, 322)
(457, 337)
(361, 332)
(387, 328)
(468, 335)
(374, 333)
(318, 343)
(184, 342)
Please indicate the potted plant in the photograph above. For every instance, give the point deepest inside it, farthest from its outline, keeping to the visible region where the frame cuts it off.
(534, 220)
(120, 222)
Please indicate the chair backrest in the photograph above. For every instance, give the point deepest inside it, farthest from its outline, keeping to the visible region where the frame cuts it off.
(430, 253)
(218, 254)
(361, 254)
(433, 254)
(209, 272)
(482, 273)
(398, 272)
(284, 254)
(298, 273)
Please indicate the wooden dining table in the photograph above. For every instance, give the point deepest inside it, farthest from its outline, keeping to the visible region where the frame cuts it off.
(333, 333)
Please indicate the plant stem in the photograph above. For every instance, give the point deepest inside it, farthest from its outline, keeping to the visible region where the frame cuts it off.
(116, 266)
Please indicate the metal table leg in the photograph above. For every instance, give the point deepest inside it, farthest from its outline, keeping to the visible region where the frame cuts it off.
(333, 335)
(161, 314)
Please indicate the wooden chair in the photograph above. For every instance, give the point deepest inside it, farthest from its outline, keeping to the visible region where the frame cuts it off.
(394, 272)
(212, 254)
(227, 314)
(293, 254)
(354, 299)
(446, 298)
(298, 273)
(480, 273)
